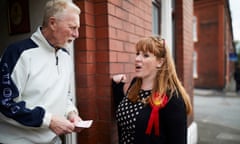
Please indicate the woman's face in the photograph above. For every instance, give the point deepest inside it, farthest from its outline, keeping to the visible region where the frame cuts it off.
(146, 64)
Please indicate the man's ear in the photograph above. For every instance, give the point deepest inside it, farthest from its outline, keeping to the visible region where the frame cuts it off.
(52, 22)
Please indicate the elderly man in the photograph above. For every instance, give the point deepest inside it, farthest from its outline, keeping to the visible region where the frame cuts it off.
(35, 99)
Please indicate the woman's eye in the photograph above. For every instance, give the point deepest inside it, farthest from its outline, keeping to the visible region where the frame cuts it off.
(146, 55)
(137, 53)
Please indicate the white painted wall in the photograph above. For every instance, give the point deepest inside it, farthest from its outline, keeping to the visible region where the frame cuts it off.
(36, 13)
(166, 29)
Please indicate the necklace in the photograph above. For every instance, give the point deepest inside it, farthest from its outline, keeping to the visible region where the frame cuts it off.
(143, 100)
(143, 96)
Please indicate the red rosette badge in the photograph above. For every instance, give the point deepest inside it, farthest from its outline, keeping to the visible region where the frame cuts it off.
(157, 102)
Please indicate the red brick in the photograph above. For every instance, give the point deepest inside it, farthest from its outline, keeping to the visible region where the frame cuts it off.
(213, 22)
(106, 46)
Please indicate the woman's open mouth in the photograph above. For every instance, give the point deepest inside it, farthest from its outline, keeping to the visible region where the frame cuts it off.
(138, 67)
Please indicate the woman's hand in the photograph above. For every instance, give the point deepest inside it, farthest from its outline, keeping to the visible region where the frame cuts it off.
(119, 78)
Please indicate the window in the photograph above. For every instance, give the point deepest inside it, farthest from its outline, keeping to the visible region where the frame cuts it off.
(195, 38)
(156, 18)
(195, 74)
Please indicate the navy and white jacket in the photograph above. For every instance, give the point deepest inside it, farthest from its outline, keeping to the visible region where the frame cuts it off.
(35, 84)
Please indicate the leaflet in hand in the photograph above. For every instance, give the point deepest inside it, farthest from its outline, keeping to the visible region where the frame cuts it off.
(84, 123)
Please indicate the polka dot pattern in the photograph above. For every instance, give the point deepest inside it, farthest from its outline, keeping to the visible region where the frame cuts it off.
(126, 115)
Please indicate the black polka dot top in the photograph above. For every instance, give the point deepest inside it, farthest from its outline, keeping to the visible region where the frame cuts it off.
(126, 116)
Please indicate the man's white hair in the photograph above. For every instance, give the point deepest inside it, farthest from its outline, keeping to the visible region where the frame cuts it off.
(56, 8)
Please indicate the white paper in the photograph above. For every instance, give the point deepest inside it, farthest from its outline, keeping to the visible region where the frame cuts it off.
(84, 123)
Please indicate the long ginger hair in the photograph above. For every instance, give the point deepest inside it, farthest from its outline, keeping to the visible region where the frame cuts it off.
(166, 81)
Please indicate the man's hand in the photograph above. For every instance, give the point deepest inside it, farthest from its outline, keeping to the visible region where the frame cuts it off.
(61, 125)
(74, 118)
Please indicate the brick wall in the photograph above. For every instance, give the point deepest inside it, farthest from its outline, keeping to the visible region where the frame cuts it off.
(106, 46)
(108, 33)
(214, 43)
(207, 45)
(184, 45)
(228, 44)
(85, 69)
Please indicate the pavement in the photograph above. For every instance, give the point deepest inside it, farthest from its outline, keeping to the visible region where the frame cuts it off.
(217, 114)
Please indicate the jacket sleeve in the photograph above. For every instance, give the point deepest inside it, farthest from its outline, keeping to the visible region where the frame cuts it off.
(13, 76)
(70, 103)
(175, 121)
(117, 92)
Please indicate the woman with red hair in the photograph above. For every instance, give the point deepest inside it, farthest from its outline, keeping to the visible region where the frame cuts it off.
(154, 108)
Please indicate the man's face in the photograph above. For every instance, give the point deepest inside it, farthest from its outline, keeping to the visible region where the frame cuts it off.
(66, 29)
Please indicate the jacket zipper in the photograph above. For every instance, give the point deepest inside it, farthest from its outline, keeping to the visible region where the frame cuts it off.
(57, 62)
